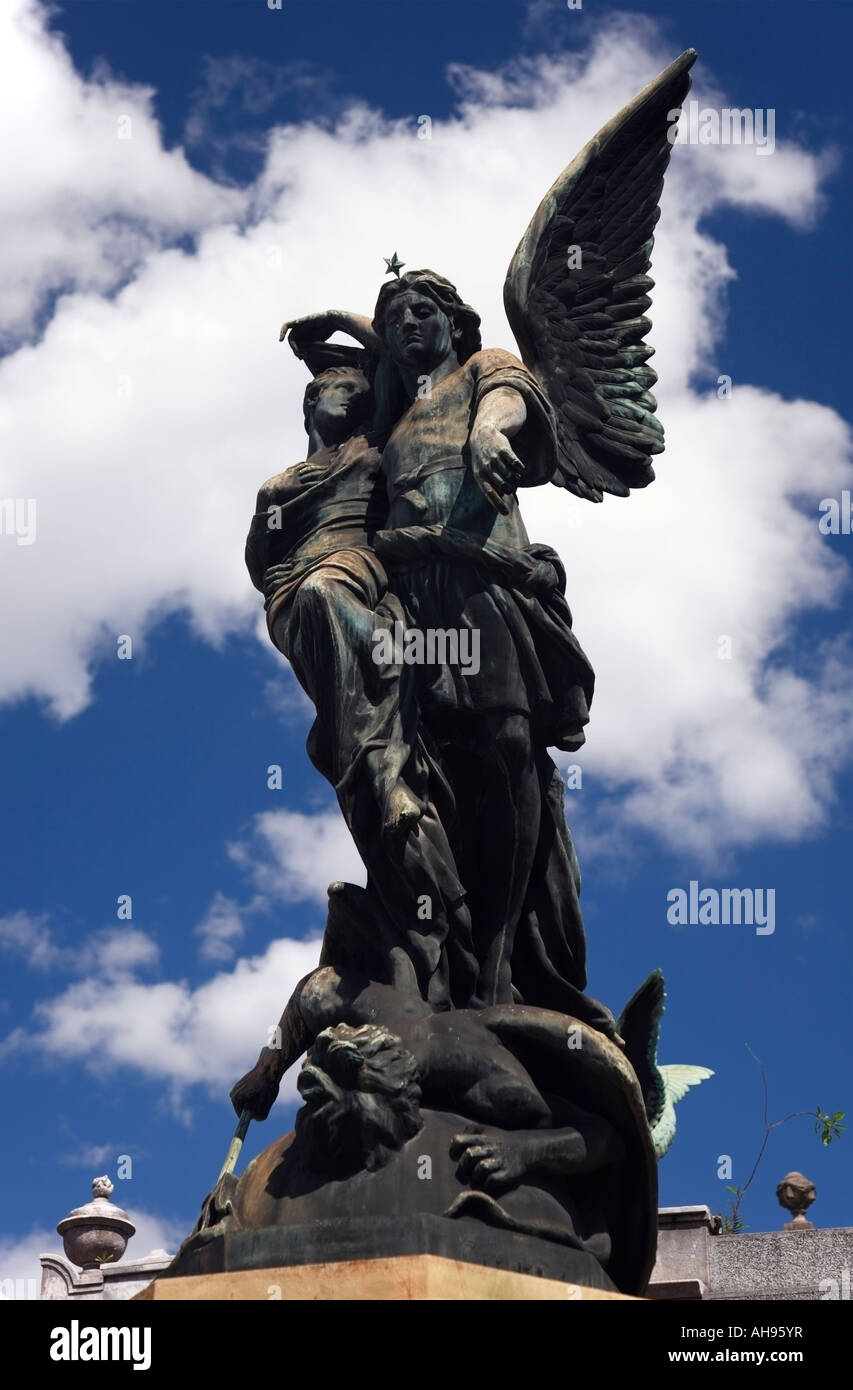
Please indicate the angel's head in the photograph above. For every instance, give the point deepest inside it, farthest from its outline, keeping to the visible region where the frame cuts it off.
(421, 318)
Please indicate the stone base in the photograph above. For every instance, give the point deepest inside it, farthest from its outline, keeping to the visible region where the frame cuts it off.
(362, 1241)
(402, 1278)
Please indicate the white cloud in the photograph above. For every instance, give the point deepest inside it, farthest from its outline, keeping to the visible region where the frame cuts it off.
(117, 952)
(205, 1035)
(19, 1255)
(88, 190)
(143, 423)
(28, 936)
(153, 1233)
(89, 1155)
(113, 951)
(20, 1271)
(222, 925)
(294, 857)
(167, 1030)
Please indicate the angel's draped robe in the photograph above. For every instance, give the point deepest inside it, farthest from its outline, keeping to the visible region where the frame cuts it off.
(455, 562)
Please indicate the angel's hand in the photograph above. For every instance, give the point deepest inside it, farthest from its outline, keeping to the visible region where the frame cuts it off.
(497, 470)
(312, 328)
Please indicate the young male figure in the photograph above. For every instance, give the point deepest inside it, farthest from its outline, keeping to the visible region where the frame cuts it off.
(310, 551)
(311, 538)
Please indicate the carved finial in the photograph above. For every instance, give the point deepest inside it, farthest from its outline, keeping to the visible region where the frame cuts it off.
(98, 1232)
(796, 1194)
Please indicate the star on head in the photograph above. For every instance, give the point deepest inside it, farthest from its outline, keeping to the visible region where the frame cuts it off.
(395, 265)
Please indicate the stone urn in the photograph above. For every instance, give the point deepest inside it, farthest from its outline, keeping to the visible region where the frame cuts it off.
(796, 1194)
(97, 1233)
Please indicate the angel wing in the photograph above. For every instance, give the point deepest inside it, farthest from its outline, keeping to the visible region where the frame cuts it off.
(639, 1025)
(581, 330)
(678, 1077)
(663, 1086)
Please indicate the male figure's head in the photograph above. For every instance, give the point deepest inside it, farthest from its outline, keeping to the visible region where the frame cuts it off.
(422, 320)
(336, 403)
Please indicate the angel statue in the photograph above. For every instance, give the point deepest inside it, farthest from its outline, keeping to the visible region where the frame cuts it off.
(395, 549)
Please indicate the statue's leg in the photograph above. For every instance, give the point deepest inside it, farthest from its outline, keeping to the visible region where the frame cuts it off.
(364, 741)
(549, 960)
(492, 767)
(328, 635)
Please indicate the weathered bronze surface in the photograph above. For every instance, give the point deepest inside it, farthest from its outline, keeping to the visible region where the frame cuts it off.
(456, 1066)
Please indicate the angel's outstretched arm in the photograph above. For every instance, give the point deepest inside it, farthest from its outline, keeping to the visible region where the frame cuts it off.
(496, 468)
(318, 328)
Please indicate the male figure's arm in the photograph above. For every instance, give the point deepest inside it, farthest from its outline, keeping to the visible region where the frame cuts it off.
(258, 1089)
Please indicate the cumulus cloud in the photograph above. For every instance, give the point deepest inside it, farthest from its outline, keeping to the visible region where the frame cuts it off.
(114, 951)
(157, 398)
(246, 87)
(85, 1155)
(294, 857)
(221, 927)
(29, 937)
(167, 1030)
(88, 190)
(185, 1035)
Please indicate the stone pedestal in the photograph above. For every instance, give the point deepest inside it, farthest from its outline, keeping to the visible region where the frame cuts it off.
(379, 1257)
(403, 1278)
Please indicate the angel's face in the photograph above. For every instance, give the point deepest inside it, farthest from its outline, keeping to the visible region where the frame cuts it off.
(417, 333)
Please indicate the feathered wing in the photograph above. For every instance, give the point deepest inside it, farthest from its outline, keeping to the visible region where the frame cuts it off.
(581, 329)
(639, 1025)
(678, 1077)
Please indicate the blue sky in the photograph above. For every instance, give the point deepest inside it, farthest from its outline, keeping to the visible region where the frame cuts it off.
(143, 398)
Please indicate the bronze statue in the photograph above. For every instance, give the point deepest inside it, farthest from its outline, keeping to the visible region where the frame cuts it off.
(450, 998)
